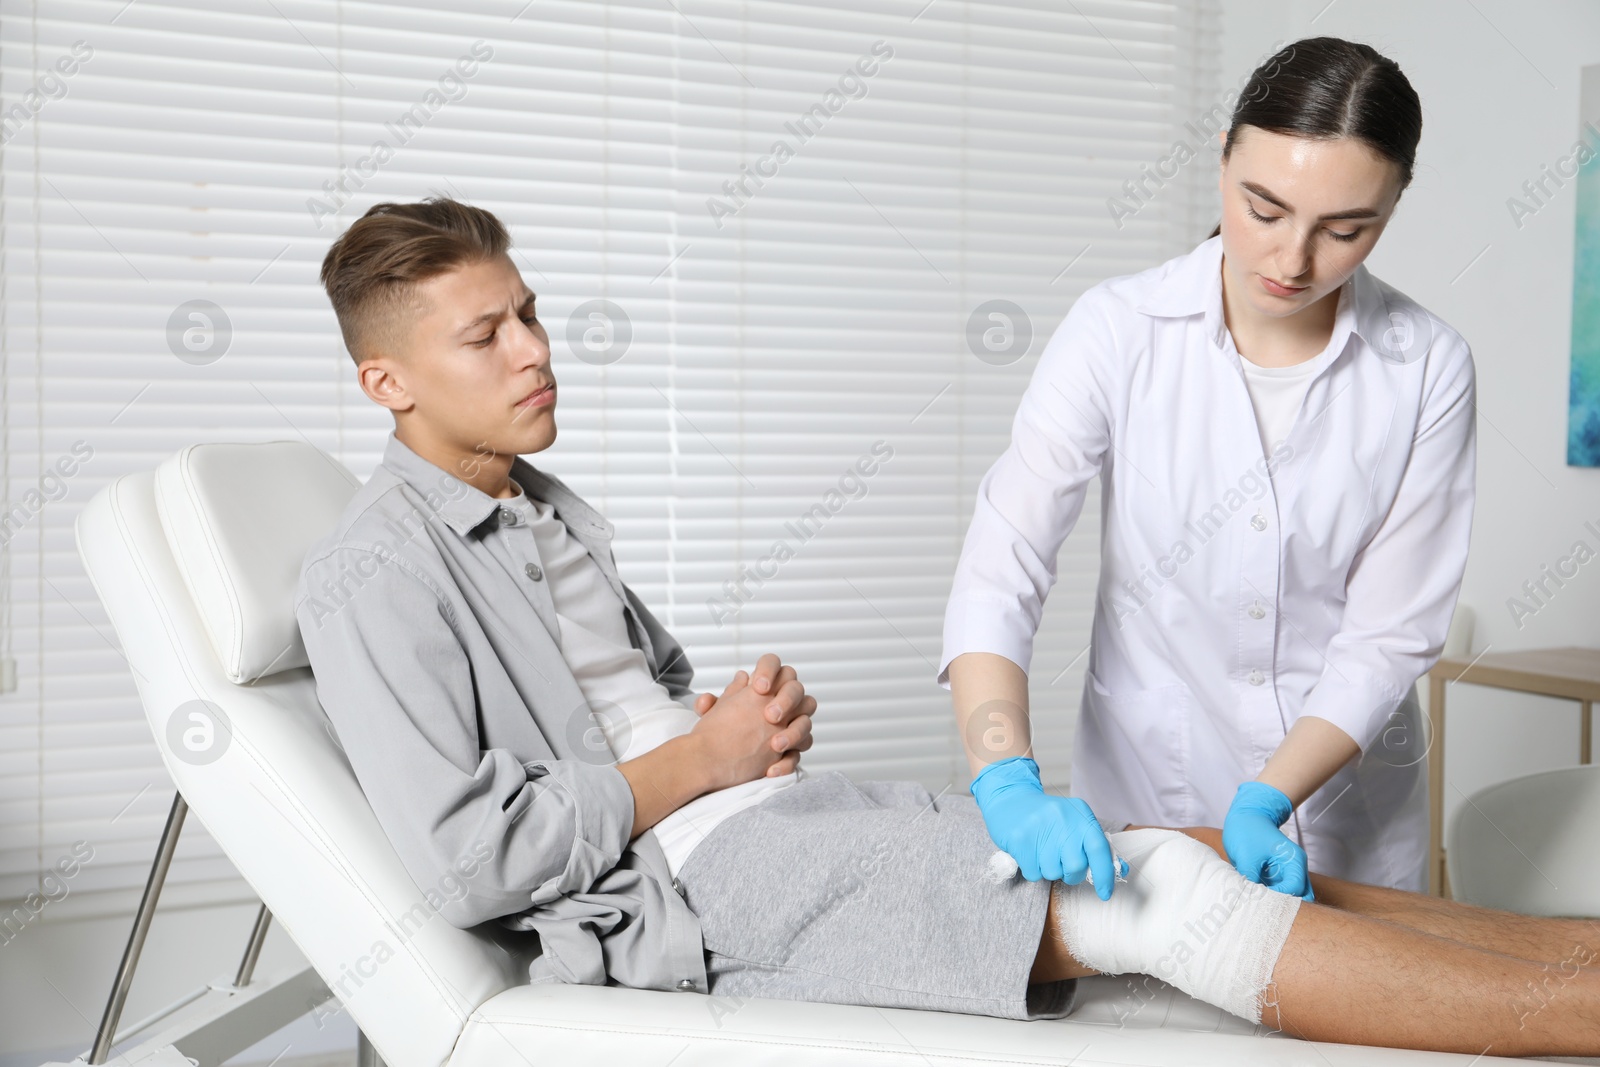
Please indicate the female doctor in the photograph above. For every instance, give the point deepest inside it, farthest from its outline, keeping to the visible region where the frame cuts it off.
(1285, 447)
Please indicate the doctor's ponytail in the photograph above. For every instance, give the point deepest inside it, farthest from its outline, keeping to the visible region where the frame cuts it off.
(1327, 87)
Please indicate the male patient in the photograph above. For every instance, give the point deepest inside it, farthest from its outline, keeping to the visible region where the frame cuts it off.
(511, 707)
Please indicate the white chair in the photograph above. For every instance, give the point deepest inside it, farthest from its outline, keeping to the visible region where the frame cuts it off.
(1529, 844)
(196, 565)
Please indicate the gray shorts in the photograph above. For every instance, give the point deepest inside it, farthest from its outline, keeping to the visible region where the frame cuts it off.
(868, 893)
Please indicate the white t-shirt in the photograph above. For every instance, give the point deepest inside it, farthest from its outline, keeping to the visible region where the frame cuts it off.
(634, 711)
(1276, 393)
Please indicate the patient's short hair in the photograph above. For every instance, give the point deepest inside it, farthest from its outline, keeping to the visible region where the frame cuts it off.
(371, 272)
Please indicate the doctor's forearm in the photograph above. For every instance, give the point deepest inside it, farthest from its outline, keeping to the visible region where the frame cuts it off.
(1310, 754)
(990, 695)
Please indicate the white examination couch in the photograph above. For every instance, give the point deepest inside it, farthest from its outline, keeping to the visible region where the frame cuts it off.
(196, 563)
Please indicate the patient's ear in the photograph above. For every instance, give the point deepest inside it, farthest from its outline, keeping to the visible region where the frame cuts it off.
(382, 385)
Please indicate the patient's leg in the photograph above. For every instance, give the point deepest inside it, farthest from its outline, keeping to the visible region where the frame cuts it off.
(1351, 978)
(1529, 936)
(1337, 976)
(1575, 942)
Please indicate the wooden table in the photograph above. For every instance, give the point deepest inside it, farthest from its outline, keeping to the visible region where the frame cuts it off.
(1572, 673)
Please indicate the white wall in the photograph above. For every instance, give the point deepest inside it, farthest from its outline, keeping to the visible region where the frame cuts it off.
(1498, 81)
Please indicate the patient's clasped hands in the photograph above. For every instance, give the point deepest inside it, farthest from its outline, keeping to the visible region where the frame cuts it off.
(757, 727)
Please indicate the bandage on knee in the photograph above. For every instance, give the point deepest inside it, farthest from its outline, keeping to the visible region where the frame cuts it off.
(1184, 916)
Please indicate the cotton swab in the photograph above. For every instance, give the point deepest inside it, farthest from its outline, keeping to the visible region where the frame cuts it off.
(1002, 867)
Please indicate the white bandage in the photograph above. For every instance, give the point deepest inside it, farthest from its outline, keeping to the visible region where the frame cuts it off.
(1184, 916)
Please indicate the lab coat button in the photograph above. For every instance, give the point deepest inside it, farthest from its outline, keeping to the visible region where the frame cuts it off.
(687, 983)
(1259, 521)
(678, 886)
(534, 572)
(1256, 678)
(1255, 610)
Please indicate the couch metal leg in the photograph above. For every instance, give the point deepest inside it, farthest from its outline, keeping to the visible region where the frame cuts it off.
(252, 951)
(366, 1055)
(141, 927)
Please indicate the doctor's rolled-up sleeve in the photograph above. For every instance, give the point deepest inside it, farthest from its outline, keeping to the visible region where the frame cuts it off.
(1403, 584)
(1030, 498)
(396, 683)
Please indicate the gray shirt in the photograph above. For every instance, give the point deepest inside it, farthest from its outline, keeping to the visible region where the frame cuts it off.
(435, 645)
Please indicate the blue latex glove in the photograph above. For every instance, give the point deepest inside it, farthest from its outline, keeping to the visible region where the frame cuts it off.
(1259, 850)
(1049, 836)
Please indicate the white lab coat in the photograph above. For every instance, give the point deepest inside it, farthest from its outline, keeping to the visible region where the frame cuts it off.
(1231, 603)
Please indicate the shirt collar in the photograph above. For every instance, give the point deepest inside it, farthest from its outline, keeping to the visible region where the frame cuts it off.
(1194, 286)
(464, 507)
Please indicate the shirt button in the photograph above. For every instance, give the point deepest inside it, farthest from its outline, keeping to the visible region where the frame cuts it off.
(687, 983)
(534, 572)
(1256, 678)
(508, 517)
(1256, 610)
(1259, 521)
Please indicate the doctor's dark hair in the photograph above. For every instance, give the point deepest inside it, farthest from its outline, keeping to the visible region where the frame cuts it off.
(371, 272)
(1327, 87)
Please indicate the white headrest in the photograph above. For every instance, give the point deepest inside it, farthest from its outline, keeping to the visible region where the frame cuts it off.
(240, 518)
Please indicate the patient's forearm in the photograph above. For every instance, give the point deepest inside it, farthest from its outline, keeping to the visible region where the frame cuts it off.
(664, 779)
(990, 696)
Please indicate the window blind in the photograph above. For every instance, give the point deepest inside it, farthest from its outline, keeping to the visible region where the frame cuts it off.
(797, 261)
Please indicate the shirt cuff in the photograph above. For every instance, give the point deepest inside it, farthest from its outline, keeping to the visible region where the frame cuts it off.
(1360, 710)
(602, 813)
(978, 624)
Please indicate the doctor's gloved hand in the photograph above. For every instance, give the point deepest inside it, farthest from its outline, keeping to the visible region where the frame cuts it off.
(1259, 850)
(1049, 836)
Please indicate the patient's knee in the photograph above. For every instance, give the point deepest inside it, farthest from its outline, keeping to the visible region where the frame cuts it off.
(1185, 916)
